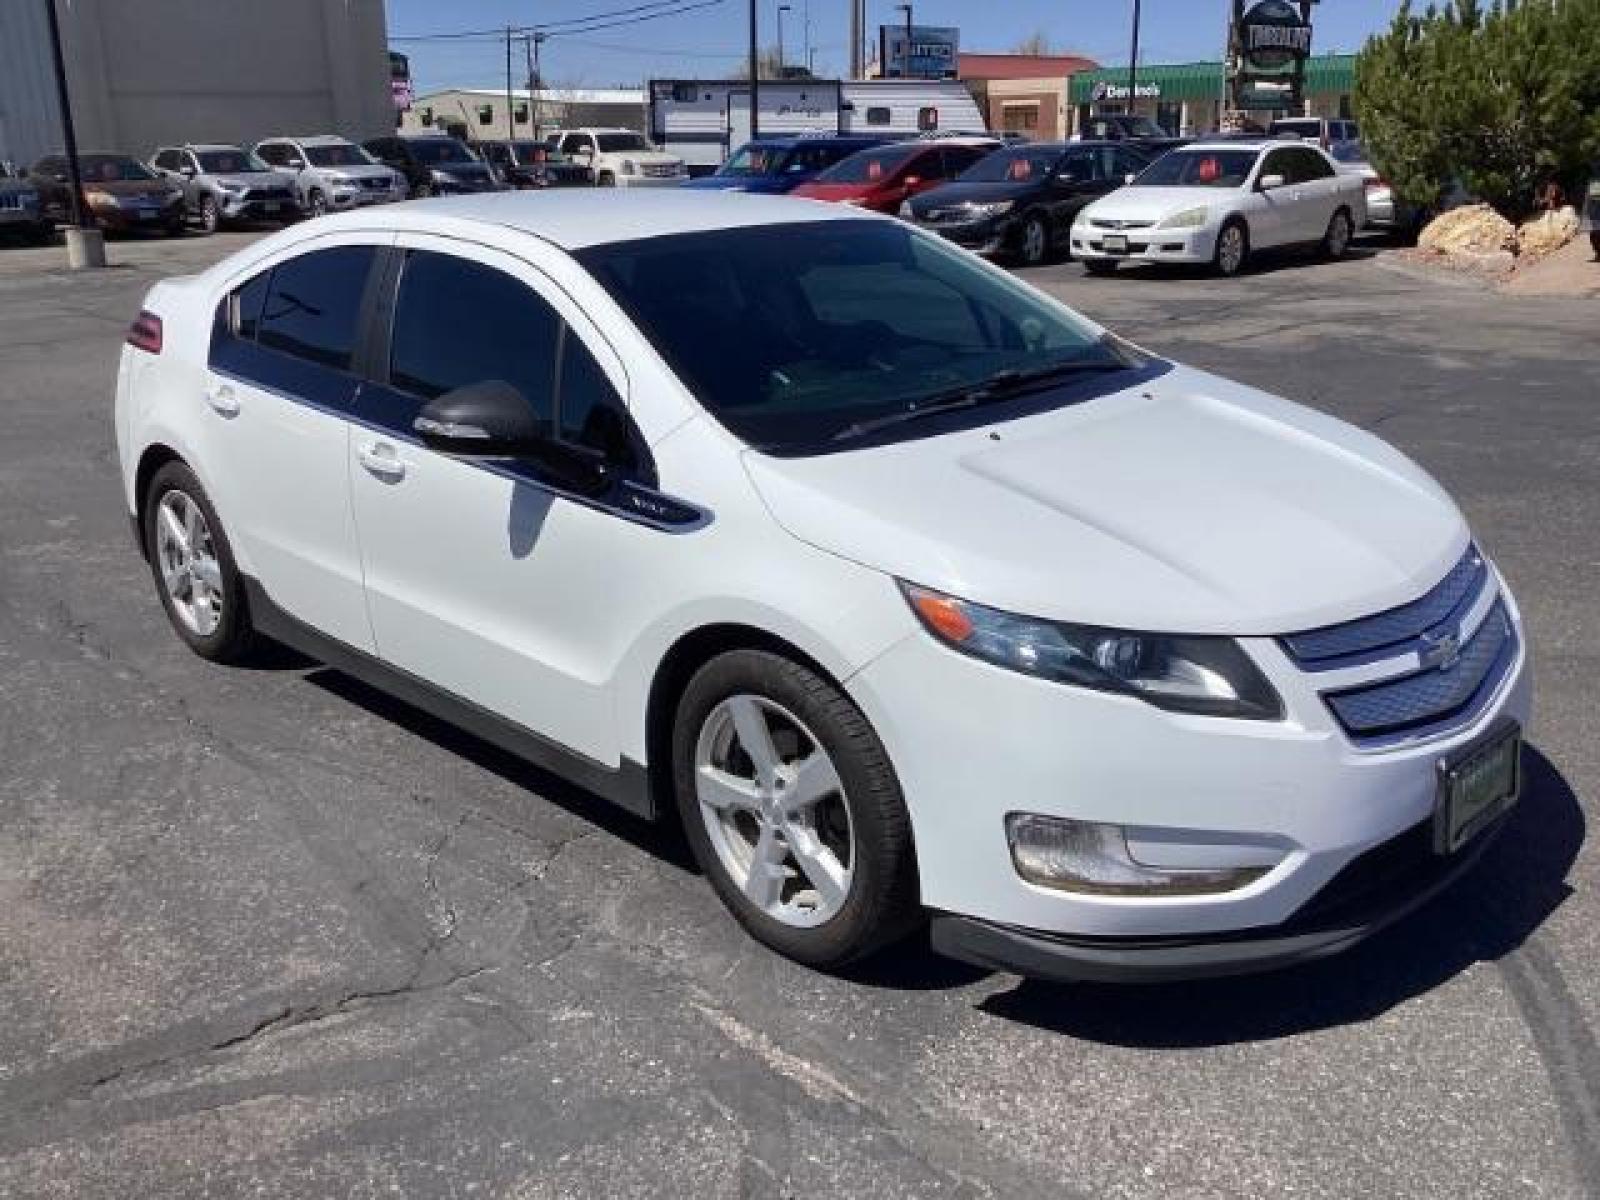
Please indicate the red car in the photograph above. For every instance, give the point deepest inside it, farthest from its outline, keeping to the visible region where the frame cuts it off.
(884, 177)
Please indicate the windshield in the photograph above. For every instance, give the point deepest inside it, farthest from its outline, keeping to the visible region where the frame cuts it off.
(229, 162)
(440, 150)
(793, 334)
(753, 159)
(870, 166)
(1025, 164)
(110, 168)
(611, 143)
(341, 154)
(1199, 168)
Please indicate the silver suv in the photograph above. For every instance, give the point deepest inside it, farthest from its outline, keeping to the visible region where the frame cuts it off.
(331, 173)
(225, 183)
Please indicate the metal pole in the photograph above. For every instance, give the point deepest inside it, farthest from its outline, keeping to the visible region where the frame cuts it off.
(537, 85)
(782, 8)
(1133, 57)
(905, 65)
(533, 88)
(69, 136)
(755, 76)
(511, 116)
(857, 34)
(808, 60)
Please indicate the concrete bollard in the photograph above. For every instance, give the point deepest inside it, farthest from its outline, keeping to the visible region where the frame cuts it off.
(85, 248)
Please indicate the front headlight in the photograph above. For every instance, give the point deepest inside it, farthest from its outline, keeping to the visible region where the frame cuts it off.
(994, 208)
(1189, 218)
(439, 176)
(1211, 676)
(231, 189)
(630, 167)
(100, 199)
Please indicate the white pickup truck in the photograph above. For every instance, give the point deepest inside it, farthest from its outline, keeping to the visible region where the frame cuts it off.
(620, 158)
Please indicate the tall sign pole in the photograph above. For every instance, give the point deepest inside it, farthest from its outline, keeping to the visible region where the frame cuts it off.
(511, 116)
(1133, 57)
(69, 136)
(755, 76)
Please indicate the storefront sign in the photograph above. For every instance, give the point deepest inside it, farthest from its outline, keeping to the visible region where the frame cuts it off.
(1105, 90)
(931, 55)
(1272, 35)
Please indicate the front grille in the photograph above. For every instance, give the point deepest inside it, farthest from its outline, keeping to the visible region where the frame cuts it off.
(1396, 631)
(659, 170)
(1105, 223)
(1434, 696)
(374, 184)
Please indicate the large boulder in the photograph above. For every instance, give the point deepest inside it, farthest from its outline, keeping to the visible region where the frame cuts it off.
(1473, 230)
(1547, 233)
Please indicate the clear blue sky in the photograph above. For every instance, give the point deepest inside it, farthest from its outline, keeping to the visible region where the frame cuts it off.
(710, 42)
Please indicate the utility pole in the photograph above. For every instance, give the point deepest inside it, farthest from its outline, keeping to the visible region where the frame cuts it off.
(530, 48)
(85, 245)
(755, 77)
(1133, 57)
(905, 63)
(858, 34)
(782, 8)
(511, 116)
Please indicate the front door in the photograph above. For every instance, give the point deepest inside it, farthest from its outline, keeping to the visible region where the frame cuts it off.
(278, 394)
(483, 577)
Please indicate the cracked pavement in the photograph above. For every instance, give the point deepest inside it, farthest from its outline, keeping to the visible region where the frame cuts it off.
(268, 931)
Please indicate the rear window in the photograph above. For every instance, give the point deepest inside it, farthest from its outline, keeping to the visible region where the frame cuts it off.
(872, 166)
(1028, 164)
(313, 307)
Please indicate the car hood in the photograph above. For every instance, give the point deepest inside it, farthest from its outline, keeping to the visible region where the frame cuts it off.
(256, 180)
(1154, 203)
(953, 195)
(159, 188)
(1186, 504)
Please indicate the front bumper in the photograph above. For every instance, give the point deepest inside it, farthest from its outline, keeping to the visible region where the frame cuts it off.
(990, 235)
(362, 197)
(1296, 796)
(649, 181)
(258, 208)
(125, 218)
(1150, 244)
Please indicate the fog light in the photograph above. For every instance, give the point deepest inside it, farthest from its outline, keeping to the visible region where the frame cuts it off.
(1084, 856)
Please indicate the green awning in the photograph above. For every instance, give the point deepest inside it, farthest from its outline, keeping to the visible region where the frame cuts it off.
(1326, 74)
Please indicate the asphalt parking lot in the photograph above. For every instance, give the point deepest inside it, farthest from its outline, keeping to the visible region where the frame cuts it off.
(269, 932)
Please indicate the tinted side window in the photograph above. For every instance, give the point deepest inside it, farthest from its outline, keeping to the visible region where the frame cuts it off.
(457, 322)
(271, 155)
(167, 160)
(1075, 168)
(1278, 162)
(1312, 165)
(313, 307)
(248, 302)
(592, 413)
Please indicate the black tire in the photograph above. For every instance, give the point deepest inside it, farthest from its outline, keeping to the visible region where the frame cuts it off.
(1594, 244)
(605, 179)
(1033, 241)
(233, 640)
(316, 203)
(1225, 263)
(422, 191)
(882, 904)
(1340, 232)
(40, 235)
(210, 215)
(1100, 266)
(174, 229)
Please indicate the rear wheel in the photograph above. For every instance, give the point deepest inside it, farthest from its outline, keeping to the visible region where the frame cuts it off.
(1100, 266)
(210, 217)
(193, 567)
(606, 179)
(316, 203)
(1233, 249)
(1034, 247)
(1336, 241)
(793, 810)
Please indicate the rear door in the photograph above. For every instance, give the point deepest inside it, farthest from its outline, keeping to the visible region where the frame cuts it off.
(280, 388)
(1316, 186)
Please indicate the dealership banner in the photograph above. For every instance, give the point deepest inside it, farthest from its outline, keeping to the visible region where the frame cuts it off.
(931, 54)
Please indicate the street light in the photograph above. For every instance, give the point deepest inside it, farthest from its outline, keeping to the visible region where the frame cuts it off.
(782, 8)
(905, 65)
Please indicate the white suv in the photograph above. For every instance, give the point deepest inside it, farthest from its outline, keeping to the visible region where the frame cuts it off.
(329, 173)
(620, 158)
(905, 588)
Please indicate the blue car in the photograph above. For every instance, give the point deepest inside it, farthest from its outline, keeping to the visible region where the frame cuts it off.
(777, 165)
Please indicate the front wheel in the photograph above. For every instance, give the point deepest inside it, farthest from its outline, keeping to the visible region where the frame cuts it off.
(192, 563)
(1336, 241)
(210, 217)
(316, 203)
(1233, 248)
(1035, 245)
(793, 810)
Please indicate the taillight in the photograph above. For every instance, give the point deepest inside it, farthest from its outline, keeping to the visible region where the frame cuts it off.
(145, 332)
(1376, 181)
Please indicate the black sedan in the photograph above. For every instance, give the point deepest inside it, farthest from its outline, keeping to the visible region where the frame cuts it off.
(1020, 203)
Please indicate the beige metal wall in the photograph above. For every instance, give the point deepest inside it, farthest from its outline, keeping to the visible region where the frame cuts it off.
(146, 72)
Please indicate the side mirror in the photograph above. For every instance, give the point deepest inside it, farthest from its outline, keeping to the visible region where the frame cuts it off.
(186, 171)
(1130, 177)
(1268, 182)
(492, 419)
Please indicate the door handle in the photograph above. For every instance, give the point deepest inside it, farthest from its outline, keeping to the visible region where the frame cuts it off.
(221, 397)
(380, 459)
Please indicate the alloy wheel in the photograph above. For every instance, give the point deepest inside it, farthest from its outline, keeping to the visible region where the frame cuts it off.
(187, 558)
(1034, 239)
(319, 206)
(1230, 250)
(1338, 235)
(209, 218)
(775, 810)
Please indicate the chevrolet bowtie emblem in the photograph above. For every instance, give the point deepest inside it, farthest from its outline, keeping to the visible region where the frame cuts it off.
(1440, 651)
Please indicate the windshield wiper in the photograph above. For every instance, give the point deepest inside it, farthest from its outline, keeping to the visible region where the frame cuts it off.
(1002, 385)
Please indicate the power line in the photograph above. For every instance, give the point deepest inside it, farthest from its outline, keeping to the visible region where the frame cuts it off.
(590, 23)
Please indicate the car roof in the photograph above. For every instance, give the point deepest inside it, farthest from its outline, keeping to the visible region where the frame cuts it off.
(205, 147)
(1250, 143)
(315, 139)
(577, 218)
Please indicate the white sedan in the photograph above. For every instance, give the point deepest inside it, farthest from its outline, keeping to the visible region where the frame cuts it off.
(1219, 202)
(911, 593)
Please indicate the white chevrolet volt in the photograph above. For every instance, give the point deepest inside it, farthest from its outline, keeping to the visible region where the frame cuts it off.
(910, 592)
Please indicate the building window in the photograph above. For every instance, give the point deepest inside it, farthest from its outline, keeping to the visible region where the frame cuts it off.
(485, 114)
(879, 116)
(1019, 118)
(685, 93)
(521, 113)
(927, 119)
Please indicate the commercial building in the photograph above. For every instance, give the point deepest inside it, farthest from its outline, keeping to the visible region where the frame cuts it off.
(1187, 98)
(146, 72)
(480, 113)
(1024, 93)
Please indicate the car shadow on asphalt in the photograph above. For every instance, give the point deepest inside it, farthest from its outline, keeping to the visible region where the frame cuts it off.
(663, 839)
(1484, 916)
(1264, 262)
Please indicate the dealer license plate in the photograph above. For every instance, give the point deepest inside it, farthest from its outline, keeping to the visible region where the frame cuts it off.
(1476, 785)
(1116, 243)
(270, 206)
